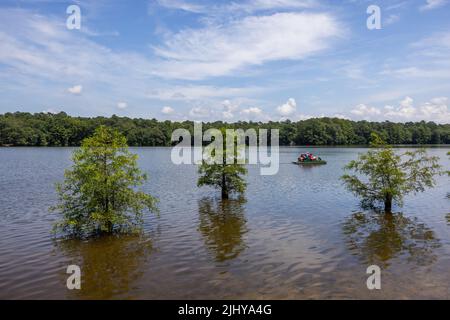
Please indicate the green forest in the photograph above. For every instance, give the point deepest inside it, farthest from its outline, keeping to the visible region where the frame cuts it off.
(45, 129)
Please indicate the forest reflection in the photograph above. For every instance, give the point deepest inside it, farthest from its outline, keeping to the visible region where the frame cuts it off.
(377, 238)
(109, 265)
(222, 224)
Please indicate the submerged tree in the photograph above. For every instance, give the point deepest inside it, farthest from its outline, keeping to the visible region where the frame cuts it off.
(390, 176)
(225, 173)
(99, 191)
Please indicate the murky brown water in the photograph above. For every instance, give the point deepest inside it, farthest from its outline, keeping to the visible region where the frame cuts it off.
(296, 235)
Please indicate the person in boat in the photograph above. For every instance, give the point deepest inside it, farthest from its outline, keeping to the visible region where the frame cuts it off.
(302, 157)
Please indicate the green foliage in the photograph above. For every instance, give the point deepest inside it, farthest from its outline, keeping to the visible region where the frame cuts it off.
(390, 176)
(44, 129)
(98, 193)
(225, 175)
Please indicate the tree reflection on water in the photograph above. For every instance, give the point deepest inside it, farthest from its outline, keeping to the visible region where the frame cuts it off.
(109, 265)
(377, 238)
(222, 224)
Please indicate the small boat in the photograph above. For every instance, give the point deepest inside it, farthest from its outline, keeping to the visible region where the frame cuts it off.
(306, 163)
(309, 159)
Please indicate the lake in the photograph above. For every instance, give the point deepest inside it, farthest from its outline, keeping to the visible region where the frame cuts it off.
(296, 235)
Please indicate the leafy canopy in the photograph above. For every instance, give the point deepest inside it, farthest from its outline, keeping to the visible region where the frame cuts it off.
(46, 129)
(99, 191)
(388, 175)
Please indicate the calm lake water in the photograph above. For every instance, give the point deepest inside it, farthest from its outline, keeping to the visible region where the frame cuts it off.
(295, 235)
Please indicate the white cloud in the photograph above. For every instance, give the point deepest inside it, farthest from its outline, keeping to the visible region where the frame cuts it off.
(248, 6)
(228, 109)
(223, 48)
(196, 92)
(365, 111)
(51, 110)
(37, 50)
(407, 102)
(200, 112)
(287, 109)
(397, 5)
(439, 41)
(252, 111)
(416, 72)
(340, 116)
(405, 110)
(181, 5)
(122, 105)
(433, 4)
(40, 49)
(167, 110)
(93, 33)
(75, 89)
(391, 19)
(254, 114)
(260, 5)
(434, 110)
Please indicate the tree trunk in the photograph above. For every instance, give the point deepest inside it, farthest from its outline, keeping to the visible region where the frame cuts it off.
(109, 226)
(224, 187)
(388, 203)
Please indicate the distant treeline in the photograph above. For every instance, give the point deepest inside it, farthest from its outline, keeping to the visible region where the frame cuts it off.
(44, 129)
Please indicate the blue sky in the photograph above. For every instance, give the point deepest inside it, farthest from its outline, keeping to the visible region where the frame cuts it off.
(227, 60)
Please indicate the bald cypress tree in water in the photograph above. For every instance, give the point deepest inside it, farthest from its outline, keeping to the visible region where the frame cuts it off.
(222, 174)
(389, 176)
(99, 192)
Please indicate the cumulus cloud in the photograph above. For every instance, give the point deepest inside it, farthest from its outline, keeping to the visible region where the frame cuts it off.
(252, 111)
(228, 109)
(405, 109)
(75, 89)
(122, 105)
(167, 110)
(434, 110)
(287, 109)
(365, 111)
